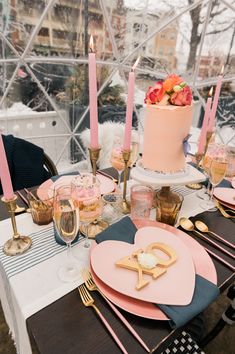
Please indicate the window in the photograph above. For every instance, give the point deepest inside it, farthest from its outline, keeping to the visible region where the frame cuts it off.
(44, 32)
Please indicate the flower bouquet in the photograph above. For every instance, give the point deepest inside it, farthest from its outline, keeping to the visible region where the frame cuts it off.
(172, 91)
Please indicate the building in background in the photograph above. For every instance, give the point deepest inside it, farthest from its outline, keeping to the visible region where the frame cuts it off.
(210, 65)
(64, 29)
(161, 47)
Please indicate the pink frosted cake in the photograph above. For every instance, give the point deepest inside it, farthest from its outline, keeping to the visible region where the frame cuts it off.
(168, 118)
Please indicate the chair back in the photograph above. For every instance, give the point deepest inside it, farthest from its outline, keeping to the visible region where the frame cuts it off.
(28, 164)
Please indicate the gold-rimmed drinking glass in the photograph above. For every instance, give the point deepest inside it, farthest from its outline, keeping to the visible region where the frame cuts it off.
(87, 197)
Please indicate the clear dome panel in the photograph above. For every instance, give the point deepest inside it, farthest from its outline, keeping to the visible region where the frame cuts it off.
(10, 75)
(64, 30)
(216, 51)
(19, 19)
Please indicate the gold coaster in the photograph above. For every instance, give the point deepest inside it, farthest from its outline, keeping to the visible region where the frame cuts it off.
(94, 228)
(195, 186)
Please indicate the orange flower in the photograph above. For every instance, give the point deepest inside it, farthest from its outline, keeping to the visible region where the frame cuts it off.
(171, 81)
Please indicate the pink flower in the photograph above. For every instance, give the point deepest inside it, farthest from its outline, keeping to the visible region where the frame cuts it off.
(182, 98)
(155, 93)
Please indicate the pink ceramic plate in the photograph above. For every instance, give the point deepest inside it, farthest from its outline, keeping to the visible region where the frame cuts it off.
(229, 206)
(180, 274)
(46, 189)
(226, 195)
(203, 266)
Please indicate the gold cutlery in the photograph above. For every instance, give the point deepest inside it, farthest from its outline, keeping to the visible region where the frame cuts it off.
(88, 301)
(90, 284)
(30, 193)
(222, 210)
(22, 197)
(230, 211)
(187, 225)
(108, 176)
(230, 266)
(19, 209)
(201, 226)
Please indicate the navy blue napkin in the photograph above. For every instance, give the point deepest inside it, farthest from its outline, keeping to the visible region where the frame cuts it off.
(54, 178)
(205, 292)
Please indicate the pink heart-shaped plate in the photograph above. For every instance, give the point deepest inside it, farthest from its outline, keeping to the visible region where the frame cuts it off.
(163, 290)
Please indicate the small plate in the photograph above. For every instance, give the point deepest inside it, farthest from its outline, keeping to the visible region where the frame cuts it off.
(226, 195)
(46, 189)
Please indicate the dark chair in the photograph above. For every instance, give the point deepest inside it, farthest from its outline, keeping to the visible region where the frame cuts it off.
(28, 164)
(49, 165)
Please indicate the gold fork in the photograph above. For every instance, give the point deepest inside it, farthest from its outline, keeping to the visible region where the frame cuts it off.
(88, 301)
(90, 284)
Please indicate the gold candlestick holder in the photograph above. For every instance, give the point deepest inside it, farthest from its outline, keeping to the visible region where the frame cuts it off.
(94, 156)
(18, 244)
(126, 208)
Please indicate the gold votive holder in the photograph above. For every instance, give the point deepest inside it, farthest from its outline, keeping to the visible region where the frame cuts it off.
(41, 210)
(94, 156)
(168, 205)
(126, 208)
(18, 244)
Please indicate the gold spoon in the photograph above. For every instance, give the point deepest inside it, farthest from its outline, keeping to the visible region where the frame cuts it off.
(187, 225)
(201, 226)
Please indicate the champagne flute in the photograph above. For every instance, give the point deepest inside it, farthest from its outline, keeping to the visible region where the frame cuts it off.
(66, 220)
(135, 143)
(217, 163)
(116, 158)
(86, 193)
(206, 161)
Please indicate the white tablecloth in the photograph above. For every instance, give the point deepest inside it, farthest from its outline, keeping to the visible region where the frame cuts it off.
(32, 289)
(29, 291)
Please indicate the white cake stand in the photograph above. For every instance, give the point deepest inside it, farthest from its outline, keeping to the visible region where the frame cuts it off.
(146, 177)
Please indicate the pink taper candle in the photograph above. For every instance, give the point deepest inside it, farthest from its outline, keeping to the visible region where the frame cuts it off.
(215, 101)
(93, 98)
(202, 137)
(4, 173)
(129, 108)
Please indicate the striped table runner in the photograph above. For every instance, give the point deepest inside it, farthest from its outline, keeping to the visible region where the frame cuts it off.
(43, 247)
(182, 190)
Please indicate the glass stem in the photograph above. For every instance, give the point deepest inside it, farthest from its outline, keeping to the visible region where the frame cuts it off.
(211, 192)
(208, 189)
(119, 178)
(86, 244)
(69, 250)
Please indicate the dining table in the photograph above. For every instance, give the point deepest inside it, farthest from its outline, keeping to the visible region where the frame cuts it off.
(59, 323)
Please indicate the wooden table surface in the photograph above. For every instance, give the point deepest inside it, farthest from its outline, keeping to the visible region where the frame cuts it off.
(67, 327)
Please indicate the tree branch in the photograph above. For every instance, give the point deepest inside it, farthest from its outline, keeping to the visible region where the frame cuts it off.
(219, 31)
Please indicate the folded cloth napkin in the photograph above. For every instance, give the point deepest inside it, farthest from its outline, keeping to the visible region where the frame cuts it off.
(205, 292)
(54, 178)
